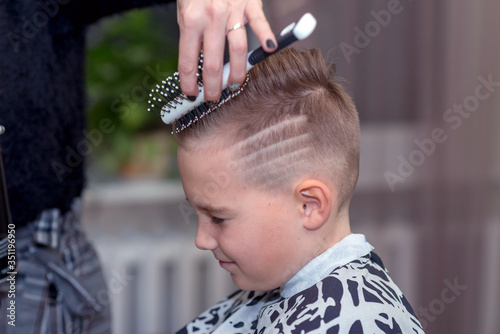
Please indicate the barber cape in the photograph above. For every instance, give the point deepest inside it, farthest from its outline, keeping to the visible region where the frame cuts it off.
(344, 290)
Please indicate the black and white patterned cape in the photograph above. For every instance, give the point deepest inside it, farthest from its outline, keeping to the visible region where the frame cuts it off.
(357, 296)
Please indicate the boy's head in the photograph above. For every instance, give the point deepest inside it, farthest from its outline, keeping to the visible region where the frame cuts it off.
(271, 172)
(292, 120)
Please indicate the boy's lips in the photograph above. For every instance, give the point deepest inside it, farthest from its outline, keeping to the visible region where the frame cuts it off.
(226, 264)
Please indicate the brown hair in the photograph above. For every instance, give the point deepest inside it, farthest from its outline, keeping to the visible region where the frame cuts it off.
(292, 120)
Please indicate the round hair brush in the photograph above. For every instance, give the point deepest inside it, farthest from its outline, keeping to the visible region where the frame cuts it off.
(174, 107)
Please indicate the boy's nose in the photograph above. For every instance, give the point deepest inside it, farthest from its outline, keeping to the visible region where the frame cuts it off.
(205, 239)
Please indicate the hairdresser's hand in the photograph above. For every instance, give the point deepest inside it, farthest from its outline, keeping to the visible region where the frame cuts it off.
(206, 22)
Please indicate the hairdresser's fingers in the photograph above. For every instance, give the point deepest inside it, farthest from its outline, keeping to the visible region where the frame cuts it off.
(192, 19)
(238, 50)
(258, 22)
(213, 55)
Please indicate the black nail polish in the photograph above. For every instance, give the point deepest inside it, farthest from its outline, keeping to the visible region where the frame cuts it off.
(191, 98)
(270, 44)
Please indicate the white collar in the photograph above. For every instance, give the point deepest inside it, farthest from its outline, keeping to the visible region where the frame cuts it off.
(348, 249)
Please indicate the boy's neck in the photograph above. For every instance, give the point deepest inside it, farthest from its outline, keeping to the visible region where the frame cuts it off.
(341, 226)
(333, 231)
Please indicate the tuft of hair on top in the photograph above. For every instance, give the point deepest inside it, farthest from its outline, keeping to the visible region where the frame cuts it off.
(293, 121)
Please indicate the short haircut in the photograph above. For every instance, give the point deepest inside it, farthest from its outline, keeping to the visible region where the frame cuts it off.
(292, 120)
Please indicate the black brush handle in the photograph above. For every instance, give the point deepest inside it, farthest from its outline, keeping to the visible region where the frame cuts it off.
(283, 41)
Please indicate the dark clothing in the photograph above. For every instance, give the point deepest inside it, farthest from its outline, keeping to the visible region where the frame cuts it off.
(42, 96)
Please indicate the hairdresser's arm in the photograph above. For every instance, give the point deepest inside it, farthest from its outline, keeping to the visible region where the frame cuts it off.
(204, 22)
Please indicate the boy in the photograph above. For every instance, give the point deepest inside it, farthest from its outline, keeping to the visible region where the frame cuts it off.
(285, 153)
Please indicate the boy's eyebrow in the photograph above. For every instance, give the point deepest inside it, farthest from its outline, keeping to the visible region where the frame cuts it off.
(209, 208)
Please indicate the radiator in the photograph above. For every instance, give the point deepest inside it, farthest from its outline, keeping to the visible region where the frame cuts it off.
(157, 286)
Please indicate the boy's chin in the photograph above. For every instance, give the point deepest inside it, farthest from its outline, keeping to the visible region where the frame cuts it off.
(248, 285)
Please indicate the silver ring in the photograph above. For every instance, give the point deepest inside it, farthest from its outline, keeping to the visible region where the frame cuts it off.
(236, 26)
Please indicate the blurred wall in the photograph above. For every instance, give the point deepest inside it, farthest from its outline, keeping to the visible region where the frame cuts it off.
(425, 77)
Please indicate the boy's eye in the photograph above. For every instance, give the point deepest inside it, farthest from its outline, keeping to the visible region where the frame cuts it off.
(216, 220)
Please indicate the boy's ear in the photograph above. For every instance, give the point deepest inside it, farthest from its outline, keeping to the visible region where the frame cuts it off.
(316, 202)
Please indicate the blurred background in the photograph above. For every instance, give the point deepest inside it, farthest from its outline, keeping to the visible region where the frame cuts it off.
(425, 76)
